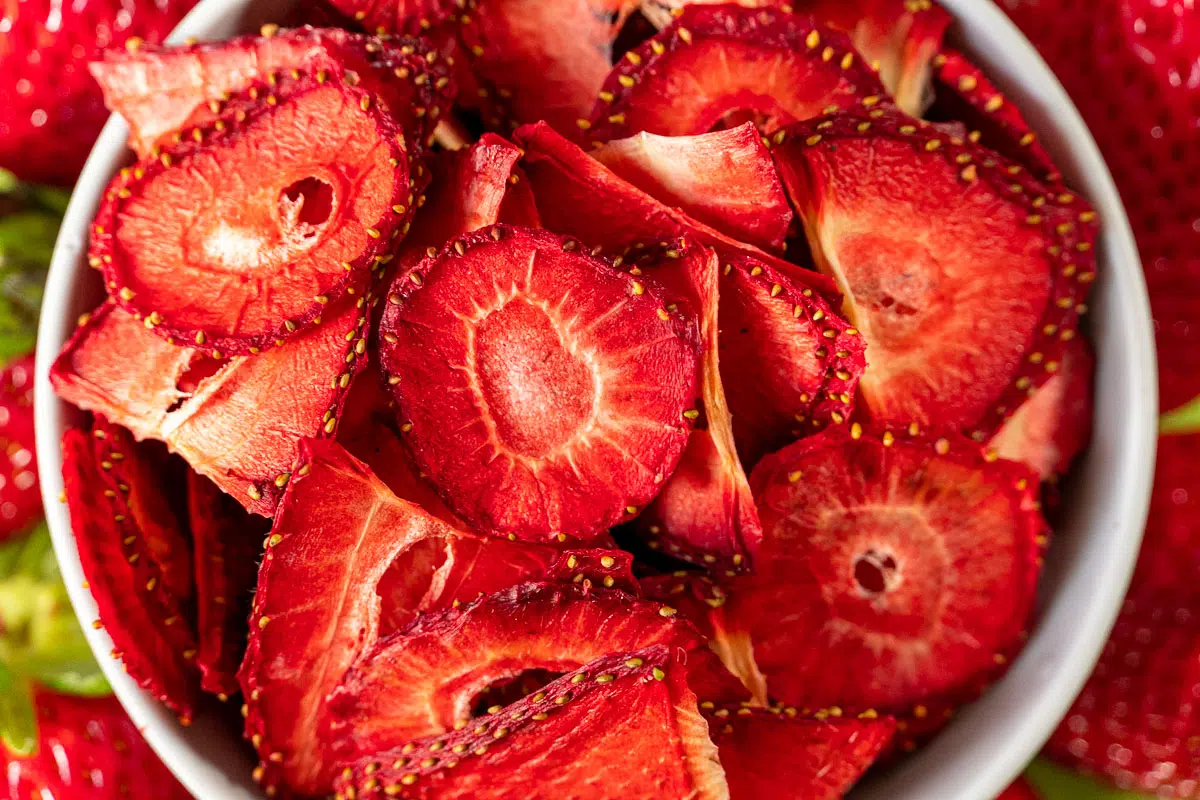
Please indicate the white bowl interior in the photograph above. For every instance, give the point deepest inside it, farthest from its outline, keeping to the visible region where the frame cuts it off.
(1089, 563)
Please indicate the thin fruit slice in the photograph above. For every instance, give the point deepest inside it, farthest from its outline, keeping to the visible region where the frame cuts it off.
(718, 66)
(579, 196)
(548, 410)
(907, 567)
(585, 735)
(1053, 426)
(246, 265)
(348, 562)
(965, 274)
(432, 676)
(20, 500)
(228, 543)
(148, 631)
(692, 594)
(595, 566)
(237, 421)
(791, 364)
(768, 753)
(725, 179)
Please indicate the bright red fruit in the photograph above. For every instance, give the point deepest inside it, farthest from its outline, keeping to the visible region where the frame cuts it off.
(1020, 790)
(1171, 545)
(20, 500)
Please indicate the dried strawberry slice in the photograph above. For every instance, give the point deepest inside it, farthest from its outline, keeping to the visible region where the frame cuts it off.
(964, 273)
(1053, 426)
(149, 633)
(768, 753)
(599, 566)
(228, 543)
(276, 245)
(227, 417)
(887, 551)
(725, 179)
(579, 196)
(549, 411)
(20, 500)
(588, 729)
(348, 561)
(715, 66)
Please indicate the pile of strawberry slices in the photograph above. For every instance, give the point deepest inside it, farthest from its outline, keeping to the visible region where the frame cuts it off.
(581, 398)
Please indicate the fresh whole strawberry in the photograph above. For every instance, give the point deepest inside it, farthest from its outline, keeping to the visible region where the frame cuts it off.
(50, 108)
(20, 500)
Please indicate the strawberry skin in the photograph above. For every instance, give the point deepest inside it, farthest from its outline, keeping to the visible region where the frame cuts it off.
(50, 108)
(20, 500)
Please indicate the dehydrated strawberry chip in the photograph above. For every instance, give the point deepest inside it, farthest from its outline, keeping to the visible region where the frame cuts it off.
(595, 566)
(543, 410)
(150, 635)
(965, 274)
(725, 179)
(719, 66)
(589, 730)
(311, 188)
(347, 562)
(907, 566)
(20, 500)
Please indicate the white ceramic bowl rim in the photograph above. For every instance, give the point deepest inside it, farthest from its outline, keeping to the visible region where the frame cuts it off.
(1089, 566)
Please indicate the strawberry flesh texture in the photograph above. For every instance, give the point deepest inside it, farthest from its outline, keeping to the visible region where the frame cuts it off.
(725, 179)
(1170, 553)
(270, 245)
(598, 566)
(20, 500)
(717, 66)
(426, 679)
(322, 609)
(966, 288)
(234, 426)
(589, 730)
(542, 411)
(767, 753)
(906, 565)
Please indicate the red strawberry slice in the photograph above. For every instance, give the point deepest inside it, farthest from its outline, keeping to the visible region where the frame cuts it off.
(966, 275)
(20, 500)
(595, 566)
(585, 735)
(767, 753)
(228, 543)
(548, 411)
(717, 66)
(228, 417)
(149, 633)
(1053, 426)
(693, 594)
(578, 196)
(907, 567)
(725, 179)
(964, 93)
(275, 246)
(348, 562)
(430, 677)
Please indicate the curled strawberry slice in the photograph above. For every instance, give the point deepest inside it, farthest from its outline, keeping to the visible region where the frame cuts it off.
(548, 412)
(965, 274)
(588, 729)
(20, 500)
(718, 66)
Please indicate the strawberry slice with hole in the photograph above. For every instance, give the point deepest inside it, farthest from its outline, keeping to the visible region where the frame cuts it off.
(20, 500)
(768, 753)
(719, 66)
(434, 675)
(150, 635)
(965, 274)
(227, 417)
(274, 247)
(907, 566)
(588, 729)
(548, 412)
(348, 562)
(227, 544)
(725, 179)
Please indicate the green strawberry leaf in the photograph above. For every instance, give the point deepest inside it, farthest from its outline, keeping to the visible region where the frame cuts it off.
(1185, 419)
(1055, 783)
(18, 720)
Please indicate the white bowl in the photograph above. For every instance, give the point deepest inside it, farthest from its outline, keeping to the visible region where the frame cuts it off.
(1088, 566)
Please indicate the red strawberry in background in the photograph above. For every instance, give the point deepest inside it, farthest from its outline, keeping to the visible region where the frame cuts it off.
(20, 500)
(50, 108)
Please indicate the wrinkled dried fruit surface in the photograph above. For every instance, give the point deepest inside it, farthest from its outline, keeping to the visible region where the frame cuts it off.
(720, 66)
(591, 730)
(768, 753)
(542, 391)
(348, 561)
(905, 568)
(20, 500)
(966, 277)
(599, 566)
(228, 417)
(310, 190)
